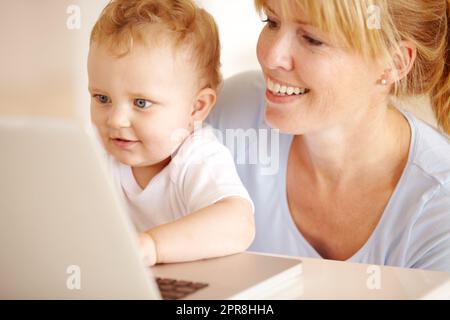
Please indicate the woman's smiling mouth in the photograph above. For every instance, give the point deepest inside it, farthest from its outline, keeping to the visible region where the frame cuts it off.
(279, 93)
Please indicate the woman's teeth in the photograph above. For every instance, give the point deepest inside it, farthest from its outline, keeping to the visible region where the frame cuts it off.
(282, 90)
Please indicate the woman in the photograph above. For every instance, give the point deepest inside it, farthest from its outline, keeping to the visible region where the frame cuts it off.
(358, 179)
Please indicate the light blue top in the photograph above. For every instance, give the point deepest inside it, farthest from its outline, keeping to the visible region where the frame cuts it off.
(414, 230)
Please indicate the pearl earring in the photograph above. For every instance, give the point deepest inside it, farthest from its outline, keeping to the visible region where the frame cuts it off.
(383, 80)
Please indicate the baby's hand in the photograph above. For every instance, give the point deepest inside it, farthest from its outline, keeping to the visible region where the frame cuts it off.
(147, 249)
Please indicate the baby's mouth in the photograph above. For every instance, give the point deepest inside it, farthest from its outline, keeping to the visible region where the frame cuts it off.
(124, 140)
(121, 139)
(123, 143)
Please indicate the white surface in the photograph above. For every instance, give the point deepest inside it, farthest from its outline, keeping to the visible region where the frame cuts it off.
(319, 279)
(328, 279)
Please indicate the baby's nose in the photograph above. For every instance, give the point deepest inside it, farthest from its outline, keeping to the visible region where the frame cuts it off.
(119, 116)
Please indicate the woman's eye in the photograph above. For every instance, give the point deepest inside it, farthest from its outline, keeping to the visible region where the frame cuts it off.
(142, 103)
(313, 41)
(270, 23)
(101, 98)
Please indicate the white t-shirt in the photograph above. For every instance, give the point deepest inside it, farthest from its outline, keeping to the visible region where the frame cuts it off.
(201, 172)
(414, 230)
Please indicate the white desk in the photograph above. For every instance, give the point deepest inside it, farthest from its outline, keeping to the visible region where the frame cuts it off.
(328, 279)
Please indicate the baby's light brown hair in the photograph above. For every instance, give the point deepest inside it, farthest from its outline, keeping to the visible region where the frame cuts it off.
(125, 22)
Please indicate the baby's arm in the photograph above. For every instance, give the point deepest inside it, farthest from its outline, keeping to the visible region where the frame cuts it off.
(223, 228)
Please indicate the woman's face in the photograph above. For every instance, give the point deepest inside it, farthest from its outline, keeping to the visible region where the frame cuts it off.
(338, 87)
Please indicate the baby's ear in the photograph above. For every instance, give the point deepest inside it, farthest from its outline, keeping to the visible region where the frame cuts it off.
(205, 100)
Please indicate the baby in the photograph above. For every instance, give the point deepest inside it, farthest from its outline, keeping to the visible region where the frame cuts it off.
(154, 68)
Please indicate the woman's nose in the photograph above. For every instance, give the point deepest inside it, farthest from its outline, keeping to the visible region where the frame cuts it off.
(119, 116)
(279, 52)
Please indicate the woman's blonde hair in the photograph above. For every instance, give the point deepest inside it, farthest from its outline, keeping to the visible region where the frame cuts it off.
(426, 23)
(124, 22)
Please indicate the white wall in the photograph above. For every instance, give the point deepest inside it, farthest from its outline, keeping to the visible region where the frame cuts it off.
(239, 27)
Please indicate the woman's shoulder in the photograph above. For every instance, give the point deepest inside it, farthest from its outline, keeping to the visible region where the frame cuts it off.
(431, 151)
(240, 102)
(423, 206)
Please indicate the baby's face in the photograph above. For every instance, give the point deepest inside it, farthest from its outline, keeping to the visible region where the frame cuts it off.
(141, 103)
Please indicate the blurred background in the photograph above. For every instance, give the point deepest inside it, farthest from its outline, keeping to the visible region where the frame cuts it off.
(45, 45)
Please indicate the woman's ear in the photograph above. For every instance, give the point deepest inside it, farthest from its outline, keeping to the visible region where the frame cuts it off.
(404, 60)
(203, 104)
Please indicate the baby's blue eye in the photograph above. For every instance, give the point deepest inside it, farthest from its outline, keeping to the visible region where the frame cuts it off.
(101, 98)
(142, 103)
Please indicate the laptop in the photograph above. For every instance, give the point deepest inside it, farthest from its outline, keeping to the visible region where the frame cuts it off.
(65, 232)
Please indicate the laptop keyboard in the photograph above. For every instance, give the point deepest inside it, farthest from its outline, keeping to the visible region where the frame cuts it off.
(172, 289)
